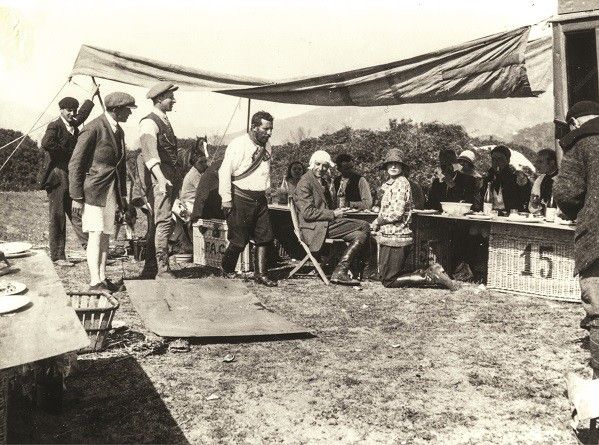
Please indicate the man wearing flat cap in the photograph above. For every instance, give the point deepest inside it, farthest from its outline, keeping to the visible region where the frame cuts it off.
(158, 145)
(58, 142)
(97, 182)
(576, 192)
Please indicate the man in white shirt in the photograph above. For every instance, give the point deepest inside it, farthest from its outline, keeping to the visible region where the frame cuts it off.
(159, 152)
(244, 176)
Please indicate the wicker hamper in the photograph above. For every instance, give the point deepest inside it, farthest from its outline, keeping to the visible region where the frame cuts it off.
(210, 242)
(95, 311)
(535, 261)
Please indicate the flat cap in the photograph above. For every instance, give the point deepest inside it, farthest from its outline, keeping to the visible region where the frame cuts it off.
(582, 108)
(161, 87)
(119, 99)
(69, 103)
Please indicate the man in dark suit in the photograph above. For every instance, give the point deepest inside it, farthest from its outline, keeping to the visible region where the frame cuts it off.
(59, 141)
(318, 221)
(97, 181)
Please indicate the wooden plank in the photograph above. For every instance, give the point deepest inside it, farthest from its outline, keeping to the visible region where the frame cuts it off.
(570, 6)
(47, 327)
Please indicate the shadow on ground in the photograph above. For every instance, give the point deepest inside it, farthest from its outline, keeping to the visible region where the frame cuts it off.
(108, 400)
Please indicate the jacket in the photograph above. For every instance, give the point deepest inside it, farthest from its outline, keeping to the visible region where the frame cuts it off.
(314, 213)
(466, 189)
(98, 159)
(58, 144)
(576, 190)
(515, 197)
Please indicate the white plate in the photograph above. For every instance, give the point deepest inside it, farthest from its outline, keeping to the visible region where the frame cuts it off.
(483, 217)
(425, 211)
(11, 303)
(16, 287)
(15, 247)
(18, 255)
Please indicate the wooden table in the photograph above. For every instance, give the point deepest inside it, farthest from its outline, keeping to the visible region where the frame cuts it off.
(532, 258)
(47, 327)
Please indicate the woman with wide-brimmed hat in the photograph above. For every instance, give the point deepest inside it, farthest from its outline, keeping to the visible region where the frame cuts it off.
(394, 233)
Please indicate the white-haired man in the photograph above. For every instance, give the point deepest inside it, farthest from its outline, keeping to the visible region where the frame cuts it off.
(318, 220)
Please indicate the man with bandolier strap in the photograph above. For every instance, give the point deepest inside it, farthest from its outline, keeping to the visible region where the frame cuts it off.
(159, 151)
(244, 176)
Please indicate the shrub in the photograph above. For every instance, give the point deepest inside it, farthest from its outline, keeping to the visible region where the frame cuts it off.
(21, 171)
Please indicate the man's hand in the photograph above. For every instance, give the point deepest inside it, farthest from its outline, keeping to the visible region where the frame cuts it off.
(374, 225)
(77, 207)
(227, 207)
(163, 185)
(339, 213)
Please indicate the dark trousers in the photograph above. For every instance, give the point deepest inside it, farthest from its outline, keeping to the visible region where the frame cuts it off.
(391, 261)
(349, 230)
(59, 205)
(249, 219)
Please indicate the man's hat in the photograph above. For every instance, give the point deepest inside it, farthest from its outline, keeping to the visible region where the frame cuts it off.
(69, 103)
(161, 87)
(393, 155)
(582, 108)
(119, 99)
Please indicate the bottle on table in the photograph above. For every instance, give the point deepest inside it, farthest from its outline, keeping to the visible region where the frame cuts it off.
(341, 200)
(488, 201)
(550, 210)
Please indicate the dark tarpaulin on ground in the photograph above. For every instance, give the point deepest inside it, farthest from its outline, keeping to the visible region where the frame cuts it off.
(207, 307)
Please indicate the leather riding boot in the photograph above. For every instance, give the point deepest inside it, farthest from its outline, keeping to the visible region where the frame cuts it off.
(150, 268)
(341, 273)
(164, 267)
(436, 275)
(229, 261)
(260, 269)
(416, 278)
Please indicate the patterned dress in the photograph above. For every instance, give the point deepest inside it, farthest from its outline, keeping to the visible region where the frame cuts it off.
(395, 213)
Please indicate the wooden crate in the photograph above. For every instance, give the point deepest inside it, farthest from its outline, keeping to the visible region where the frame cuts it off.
(535, 261)
(210, 242)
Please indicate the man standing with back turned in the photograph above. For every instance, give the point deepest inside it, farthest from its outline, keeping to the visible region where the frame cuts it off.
(159, 151)
(244, 177)
(576, 191)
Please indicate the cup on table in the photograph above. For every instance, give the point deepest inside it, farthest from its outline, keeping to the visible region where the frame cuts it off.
(550, 213)
(487, 208)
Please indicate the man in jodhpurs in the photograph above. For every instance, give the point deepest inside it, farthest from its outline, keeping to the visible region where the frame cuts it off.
(244, 177)
(159, 151)
(576, 192)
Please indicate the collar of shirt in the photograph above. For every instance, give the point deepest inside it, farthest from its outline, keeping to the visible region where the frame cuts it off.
(111, 121)
(70, 128)
(161, 114)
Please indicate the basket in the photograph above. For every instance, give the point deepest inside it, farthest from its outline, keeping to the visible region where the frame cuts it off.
(210, 242)
(95, 312)
(535, 261)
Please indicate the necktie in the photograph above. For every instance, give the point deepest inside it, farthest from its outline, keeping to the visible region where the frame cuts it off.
(119, 136)
(327, 194)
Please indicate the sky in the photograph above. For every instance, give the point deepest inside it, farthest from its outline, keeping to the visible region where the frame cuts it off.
(39, 41)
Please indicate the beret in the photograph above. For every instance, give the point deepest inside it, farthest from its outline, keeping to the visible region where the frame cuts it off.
(502, 149)
(161, 87)
(68, 103)
(583, 108)
(119, 99)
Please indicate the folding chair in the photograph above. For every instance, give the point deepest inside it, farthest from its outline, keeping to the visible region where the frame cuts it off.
(309, 256)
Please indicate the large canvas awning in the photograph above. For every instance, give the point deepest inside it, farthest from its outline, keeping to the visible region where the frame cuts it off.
(499, 66)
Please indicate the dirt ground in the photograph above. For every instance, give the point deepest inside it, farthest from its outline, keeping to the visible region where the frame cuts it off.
(383, 366)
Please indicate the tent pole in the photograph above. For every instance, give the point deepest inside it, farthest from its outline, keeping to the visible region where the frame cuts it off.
(247, 126)
(99, 97)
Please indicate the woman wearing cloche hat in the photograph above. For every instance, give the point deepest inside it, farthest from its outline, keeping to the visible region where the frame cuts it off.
(393, 226)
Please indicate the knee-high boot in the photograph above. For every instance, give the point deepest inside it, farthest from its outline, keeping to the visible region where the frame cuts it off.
(434, 275)
(260, 268)
(341, 273)
(229, 261)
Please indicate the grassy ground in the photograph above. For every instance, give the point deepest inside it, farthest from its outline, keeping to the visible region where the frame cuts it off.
(384, 366)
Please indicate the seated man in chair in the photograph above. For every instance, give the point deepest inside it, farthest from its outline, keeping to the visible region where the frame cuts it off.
(317, 220)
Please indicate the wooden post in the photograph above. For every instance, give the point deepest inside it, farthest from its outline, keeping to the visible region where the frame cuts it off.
(99, 97)
(247, 127)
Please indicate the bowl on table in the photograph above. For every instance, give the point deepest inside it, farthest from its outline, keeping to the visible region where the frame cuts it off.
(456, 208)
